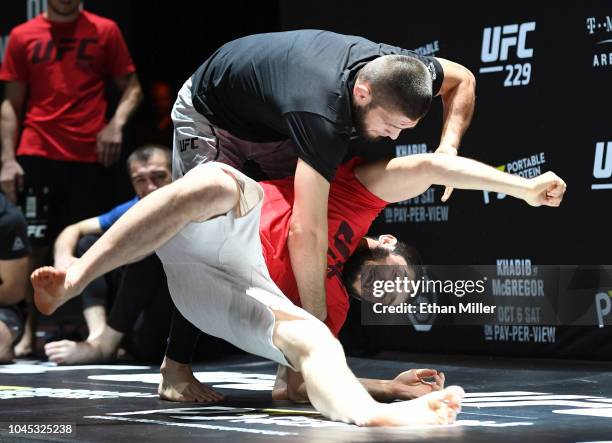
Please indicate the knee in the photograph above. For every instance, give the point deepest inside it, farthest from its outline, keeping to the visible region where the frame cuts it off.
(6, 344)
(208, 192)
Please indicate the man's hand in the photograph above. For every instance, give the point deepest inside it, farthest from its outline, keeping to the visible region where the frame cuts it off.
(448, 150)
(109, 144)
(11, 179)
(546, 189)
(415, 383)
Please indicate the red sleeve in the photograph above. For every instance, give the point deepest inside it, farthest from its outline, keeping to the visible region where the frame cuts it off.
(14, 64)
(119, 60)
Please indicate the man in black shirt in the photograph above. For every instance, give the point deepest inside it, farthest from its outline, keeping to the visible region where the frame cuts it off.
(14, 267)
(291, 102)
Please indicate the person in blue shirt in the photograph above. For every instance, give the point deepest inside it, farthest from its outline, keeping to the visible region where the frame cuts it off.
(149, 168)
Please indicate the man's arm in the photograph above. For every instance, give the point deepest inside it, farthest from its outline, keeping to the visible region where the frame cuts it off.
(307, 241)
(111, 137)
(458, 92)
(406, 177)
(66, 242)
(289, 385)
(11, 110)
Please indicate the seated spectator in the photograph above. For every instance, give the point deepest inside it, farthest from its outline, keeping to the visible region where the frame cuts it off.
(149, 168)
(14, 278)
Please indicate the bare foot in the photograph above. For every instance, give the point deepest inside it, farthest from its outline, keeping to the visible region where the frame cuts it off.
(24, 347)
(68, 352)
(188, 389)
(50, 291)
(179, 384)
(280, 393)
(436, 408)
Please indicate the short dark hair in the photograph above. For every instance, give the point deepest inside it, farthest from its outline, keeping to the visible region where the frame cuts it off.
(144, 153)
(355, 266)
(399, 84)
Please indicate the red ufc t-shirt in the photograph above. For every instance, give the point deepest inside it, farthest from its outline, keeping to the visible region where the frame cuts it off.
(64, 66)
(351, 211)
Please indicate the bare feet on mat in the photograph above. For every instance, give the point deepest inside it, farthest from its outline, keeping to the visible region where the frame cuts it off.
(436, 408)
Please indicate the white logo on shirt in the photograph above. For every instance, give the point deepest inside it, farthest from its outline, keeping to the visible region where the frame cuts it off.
(432, 70)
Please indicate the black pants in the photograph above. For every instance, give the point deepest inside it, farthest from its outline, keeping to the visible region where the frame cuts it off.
(142, 309)
(101, 291)
(139, 302)
(59, 193)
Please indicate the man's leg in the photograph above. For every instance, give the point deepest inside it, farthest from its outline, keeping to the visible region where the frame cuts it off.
(40, 202)
(202, 194)
(6, 343)
(11, 327)
(335, 391)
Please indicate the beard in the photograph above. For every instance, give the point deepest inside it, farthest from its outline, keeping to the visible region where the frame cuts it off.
(360, 113)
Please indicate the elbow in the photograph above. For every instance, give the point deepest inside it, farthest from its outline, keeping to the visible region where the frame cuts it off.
(138, 95)
(470, 81)
(300, 234)
(429, 167)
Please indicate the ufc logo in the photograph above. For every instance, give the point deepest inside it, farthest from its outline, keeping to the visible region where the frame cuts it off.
(42, 52)
(497, 41)
(602, 168)
(37, 231)
(187, 143)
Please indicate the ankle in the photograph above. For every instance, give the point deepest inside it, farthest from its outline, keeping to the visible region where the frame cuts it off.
(171, 367)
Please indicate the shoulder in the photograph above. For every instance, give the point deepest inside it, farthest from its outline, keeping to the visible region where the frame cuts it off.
(103, 24)
(24, 29)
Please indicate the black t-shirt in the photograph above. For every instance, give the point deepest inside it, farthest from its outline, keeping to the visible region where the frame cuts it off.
(296, 85)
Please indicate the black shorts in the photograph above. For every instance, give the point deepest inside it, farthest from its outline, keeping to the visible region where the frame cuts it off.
(13, 317)
(57, 194)
(14, 241)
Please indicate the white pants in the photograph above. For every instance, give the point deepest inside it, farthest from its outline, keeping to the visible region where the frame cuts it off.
(218, 278)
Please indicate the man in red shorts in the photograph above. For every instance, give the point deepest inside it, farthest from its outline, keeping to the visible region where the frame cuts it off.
(55, 67)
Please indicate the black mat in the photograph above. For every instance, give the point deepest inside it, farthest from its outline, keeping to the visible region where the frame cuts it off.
(508, 400)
